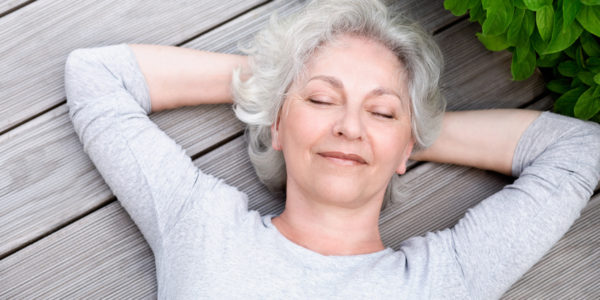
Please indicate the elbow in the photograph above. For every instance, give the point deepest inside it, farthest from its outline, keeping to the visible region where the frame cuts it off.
(85, 75)
(75, 67)
(590, 153)
(596, 152)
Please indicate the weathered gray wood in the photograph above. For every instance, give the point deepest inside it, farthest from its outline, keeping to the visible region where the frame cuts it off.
(37, 38)
(430, 14)
(6, 5)
(468, 64)
(44, 173)
(100, 256)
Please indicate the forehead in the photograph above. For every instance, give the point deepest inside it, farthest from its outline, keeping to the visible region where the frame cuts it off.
(354, 59)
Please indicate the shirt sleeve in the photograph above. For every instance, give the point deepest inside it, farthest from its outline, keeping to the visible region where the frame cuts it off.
(557, 162)
(148, 172)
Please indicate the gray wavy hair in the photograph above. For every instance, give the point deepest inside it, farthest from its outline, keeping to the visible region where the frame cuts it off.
(278, 55)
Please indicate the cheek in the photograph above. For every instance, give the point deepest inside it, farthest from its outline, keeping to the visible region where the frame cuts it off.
(302, 126)
(388, 145)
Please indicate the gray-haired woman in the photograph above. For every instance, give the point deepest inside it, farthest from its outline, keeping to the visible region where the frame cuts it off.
(337, 99)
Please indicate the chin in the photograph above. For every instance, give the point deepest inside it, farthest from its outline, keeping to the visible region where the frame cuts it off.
(342, 191)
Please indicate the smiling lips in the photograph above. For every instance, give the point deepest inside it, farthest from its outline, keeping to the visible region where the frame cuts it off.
(343, 158)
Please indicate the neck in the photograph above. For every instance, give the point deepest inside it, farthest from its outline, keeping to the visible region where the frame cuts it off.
(331, 228)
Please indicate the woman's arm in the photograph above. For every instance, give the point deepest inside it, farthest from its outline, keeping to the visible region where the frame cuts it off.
(181, 77)
(557, 161)
(109, 100)
(484, 139)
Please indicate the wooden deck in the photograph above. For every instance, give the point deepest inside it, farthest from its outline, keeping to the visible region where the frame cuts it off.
(62, 232)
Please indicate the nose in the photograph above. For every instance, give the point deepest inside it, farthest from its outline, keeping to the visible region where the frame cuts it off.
(349, 125)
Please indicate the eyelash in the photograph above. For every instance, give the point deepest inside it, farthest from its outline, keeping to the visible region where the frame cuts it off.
(318, 102)
(383, 115)
(374, 113)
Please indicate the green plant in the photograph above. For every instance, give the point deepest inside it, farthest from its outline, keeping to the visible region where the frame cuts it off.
(560, 37)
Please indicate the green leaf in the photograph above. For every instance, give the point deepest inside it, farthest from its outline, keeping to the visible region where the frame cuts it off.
(576, 82)
(597, 78)
(515, 35)
(472, 3)
(487, 4)
(570, 52)
(586, 77)
(568, 68)
(587, 105)
(520, 4)
(591, 2)
(566, 103)
(456, 7)
(494, 42)
(563, 38)
(559, 86)
(523, 63)
(477, 14)
(536, 4)
(593, 64)
(497, 20)
(589, 18)
(589, 44)
(548, 60)
(579, 59)
(544, 18)
(538, 43)
(570, 9)
(528, 22)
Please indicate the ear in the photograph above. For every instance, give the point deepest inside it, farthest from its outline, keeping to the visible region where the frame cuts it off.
(405, 155)
(275, 135)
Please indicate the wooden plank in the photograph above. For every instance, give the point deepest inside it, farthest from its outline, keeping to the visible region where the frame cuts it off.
(475, 77)
(119, 243)
(7, 5)
(101, 256)
(430, 14)
(54, 28)
(44, 172)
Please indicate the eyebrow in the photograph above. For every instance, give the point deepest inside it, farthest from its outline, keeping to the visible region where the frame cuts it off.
(336, 83)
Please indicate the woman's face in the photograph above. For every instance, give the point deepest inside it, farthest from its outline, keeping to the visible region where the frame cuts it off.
(345, 127)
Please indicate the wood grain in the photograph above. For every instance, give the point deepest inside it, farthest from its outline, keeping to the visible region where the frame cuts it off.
(6, 5)
(37, 38)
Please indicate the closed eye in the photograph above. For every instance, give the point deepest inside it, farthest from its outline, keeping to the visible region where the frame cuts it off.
(383, 115)
(319, 102)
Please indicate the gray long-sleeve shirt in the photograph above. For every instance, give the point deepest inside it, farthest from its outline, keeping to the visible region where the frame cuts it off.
(208, 245)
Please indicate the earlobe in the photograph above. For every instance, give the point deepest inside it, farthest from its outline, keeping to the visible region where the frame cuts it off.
(405, 155)
(275, 136)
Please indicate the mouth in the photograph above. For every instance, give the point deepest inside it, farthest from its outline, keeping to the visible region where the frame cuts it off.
(343, 158)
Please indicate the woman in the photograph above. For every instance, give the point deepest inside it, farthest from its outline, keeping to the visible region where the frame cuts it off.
(344, 93)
